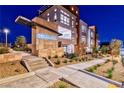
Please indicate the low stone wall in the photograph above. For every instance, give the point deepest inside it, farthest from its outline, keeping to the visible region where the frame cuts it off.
(10, 57)
(51, 52)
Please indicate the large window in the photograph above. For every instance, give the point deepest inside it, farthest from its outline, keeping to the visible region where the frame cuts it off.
(83, 28)
(64, 19)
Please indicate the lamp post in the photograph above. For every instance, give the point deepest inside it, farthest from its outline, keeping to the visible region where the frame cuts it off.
(6, 31)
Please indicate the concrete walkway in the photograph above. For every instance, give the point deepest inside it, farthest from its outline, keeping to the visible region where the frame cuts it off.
(46, 77)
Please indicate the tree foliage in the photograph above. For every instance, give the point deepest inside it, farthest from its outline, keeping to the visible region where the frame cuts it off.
(20, 42)
(115, 47)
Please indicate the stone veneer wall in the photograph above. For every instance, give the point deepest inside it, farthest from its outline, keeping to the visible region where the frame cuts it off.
(51, 52)
(10, 57)
(44, 47)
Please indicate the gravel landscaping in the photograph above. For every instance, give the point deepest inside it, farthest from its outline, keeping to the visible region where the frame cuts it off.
(11, 69)
(110, 69)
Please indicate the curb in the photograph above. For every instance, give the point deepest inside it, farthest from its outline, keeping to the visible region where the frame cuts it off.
(102, 78)
(49, 62)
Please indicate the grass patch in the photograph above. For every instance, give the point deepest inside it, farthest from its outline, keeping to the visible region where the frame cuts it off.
(62, 84)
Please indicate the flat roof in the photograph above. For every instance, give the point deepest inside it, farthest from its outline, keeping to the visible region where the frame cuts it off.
(24, 21)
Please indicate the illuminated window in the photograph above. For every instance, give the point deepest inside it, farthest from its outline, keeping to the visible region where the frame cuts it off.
(48, 19)
(72, 8)
(64, 19)
(55, 16)
(76, 12)
(55, 10)
(48, 14)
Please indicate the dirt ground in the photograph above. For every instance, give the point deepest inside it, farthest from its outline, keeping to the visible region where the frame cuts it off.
(11, 69)
(62, 61)
(118, 72)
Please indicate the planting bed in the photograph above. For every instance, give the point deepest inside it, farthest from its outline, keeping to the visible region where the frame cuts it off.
(11, 69)
(110, 69)
(61, 61)
(62, 84)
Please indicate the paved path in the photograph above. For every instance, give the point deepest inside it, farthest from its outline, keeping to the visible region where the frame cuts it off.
(47, 76)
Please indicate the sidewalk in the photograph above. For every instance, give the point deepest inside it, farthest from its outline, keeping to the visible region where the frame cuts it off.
(47, 76)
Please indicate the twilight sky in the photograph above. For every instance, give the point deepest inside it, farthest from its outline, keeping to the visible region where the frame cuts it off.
(108, 19)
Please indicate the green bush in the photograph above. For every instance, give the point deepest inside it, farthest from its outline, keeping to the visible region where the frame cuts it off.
(98, 65)
(90, 70)
(57, 62)
(71, 56)
(65, 61)
(18, 49)
(110, 72)
(4, 50)
(27, 49)
(62, 86)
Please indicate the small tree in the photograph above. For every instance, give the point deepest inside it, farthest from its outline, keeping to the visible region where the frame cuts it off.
(115, 47)
(20, 43)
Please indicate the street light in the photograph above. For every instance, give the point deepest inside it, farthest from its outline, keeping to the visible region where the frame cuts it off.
(6, 31)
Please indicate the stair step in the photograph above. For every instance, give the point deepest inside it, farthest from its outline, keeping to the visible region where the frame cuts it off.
(36, 67)
(37, 63)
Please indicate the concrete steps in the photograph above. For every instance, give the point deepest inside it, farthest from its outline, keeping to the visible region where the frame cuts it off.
(35, 62)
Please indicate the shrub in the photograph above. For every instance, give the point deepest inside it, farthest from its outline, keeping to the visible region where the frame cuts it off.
(27, 49)
(71, 56)
(76, 59)
(18, 49)
(57, 62)
(95, 67)
(56, 56)
(4, 50)
(71, 60)
(65, 61)
(109, 72)
(62, 86)
(49, 57)
(17, 70)
(122, 61)
(114, 62)
(83, 59)
(98, 65)
(90, 70)
(80, 60)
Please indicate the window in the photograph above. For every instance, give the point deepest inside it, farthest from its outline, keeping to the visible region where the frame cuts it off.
(55, 10)
(48, 19)
(76, 12)
(83, 28)
(72, 23)
(64, 19)
(55, 17)
(48, 14)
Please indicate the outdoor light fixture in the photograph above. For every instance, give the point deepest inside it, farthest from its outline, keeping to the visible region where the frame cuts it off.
(6, 31)
(72, 8)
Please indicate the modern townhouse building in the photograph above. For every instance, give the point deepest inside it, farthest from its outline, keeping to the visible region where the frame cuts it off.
(91, 38)
(67, 18)
(58, 29)
(83, 35)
